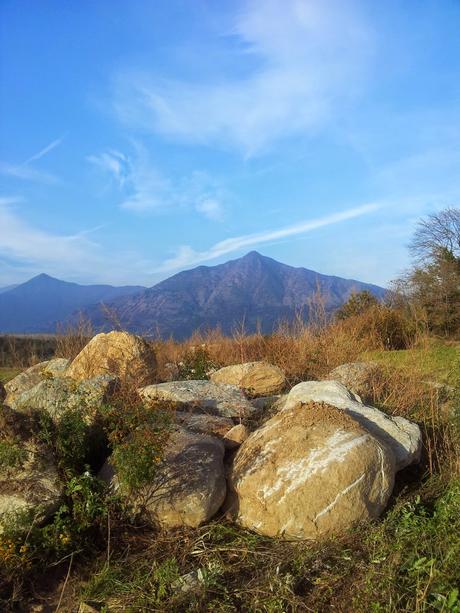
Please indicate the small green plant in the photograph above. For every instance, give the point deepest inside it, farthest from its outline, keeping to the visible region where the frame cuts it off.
(137, 436)
(196, 364)
(73, 442)
(12, 454)
(26, 544)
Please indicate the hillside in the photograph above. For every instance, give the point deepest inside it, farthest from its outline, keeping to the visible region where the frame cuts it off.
(42, 302)
(254, 288)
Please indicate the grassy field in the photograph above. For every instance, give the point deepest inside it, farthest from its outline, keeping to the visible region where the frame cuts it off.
(437, 360)
(6, 374)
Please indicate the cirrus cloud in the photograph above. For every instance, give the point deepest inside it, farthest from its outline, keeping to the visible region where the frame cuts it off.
(306, 58)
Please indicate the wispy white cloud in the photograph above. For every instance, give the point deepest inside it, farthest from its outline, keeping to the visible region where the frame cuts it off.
(144, 189)
(303, 60)
(210, 208)
(113, 162)
(26, 172)
(52, 145)
(18, 239)
(186, 256)
(68, 256)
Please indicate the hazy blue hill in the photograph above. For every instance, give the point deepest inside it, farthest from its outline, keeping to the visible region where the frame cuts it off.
(40, 303)
(255, 288)
(7, 288)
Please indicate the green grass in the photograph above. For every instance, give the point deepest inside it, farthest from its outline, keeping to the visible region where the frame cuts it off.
(406, 562)
(6, 374)
(439, 361)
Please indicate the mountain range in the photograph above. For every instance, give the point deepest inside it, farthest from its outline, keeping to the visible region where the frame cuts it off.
(42, 303)
(253, 289)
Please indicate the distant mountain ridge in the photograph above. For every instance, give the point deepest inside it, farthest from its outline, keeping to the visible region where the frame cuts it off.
(254, 288)
(38, 305)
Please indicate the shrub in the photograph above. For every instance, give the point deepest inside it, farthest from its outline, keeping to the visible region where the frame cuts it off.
(357, 304)
(75, 444)
(137, 436)
(196, 364)
(12, 454)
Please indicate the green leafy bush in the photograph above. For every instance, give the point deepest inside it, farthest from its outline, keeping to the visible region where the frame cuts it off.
(12, 454)
(75, 444)
(137, 436)
(196, 364)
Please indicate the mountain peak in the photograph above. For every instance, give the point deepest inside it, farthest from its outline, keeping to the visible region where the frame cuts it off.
(252, 255)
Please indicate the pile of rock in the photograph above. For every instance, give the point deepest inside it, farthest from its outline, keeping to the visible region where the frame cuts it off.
(322, 462)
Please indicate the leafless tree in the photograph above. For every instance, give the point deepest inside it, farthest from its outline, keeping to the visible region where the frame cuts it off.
(432, 286)
(437, 235)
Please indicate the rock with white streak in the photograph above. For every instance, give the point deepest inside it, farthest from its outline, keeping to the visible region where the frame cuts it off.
(403, 436)
(201, 396)
(309, 471)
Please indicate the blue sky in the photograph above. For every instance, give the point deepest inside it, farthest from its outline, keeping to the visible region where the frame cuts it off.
(141, 138)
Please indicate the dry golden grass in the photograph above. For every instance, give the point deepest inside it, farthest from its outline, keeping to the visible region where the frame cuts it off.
(362, 571)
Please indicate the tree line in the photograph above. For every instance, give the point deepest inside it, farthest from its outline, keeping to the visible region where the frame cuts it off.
(428, 293)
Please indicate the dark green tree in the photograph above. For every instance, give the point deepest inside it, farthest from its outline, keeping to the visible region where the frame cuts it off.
(357, 303)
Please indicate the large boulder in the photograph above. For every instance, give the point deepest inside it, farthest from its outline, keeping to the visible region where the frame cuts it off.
(127, 356)
(189, 487)
(29, 479)
(30, 377)
(256, 378)
(358, 377)
(55, 396)
(310, 471)
(201, 396)
(403, 436)
(25, 381)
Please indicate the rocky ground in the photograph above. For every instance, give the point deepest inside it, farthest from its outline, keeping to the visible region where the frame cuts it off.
(243, 454)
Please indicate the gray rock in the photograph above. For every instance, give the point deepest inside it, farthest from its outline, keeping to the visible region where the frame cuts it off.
(202, 396)
(61, 394)
(29, 481)
(201, 423)
(191, 583)
(358, 377)
(266, 402)
(56, 367)
(189, 487)
(24, 381)
(401, 435)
